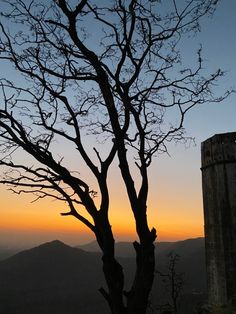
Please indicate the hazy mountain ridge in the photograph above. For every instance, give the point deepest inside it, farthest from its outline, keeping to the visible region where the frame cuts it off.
(50, 278)
(57, 278)
(192, 261)
(6, 252)
(125, 249)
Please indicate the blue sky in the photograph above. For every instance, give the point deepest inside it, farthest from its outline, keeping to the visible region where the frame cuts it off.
(180, 173)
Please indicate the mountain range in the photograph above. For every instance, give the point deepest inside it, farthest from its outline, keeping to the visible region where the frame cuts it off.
(56, 278)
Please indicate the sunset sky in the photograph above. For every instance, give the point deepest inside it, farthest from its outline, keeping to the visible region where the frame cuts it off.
(175, 200)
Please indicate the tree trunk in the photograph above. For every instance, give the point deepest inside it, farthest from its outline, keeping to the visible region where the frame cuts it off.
(137, 298)
(113, 271)
(115, 281)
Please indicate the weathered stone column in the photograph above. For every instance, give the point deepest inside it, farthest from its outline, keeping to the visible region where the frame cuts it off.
(219, 199)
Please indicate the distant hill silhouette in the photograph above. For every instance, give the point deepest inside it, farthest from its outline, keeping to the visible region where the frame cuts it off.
(125, 249)
(6, 252)
(51, 278)
(192, 261)
(191, 264)
(56, 278)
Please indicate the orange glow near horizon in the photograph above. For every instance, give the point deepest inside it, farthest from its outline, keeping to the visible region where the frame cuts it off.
(174, 209)
(42, 221)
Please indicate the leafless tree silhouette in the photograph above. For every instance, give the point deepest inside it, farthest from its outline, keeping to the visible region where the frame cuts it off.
(107, 70)
(173, 280)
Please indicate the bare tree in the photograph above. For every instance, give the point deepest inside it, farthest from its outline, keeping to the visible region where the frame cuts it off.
(110, 70)
(173, 282)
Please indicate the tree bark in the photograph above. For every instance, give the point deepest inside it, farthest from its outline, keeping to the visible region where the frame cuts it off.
(114, 276)
(113, 271)
(137, 298)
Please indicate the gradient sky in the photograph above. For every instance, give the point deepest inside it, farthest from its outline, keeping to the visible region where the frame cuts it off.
(175, 202)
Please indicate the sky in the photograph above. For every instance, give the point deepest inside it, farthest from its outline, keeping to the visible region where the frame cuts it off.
(175, 201)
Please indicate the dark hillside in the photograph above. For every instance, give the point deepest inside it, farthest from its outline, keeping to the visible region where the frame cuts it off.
(55, 278)
(51, 278)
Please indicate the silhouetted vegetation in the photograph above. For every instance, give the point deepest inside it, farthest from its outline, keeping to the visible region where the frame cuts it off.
(109, 74)
(173, 282)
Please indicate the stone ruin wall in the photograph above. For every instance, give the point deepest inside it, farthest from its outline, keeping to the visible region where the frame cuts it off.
(219, 198)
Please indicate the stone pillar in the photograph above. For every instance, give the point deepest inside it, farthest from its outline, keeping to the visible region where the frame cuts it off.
(219, 200)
